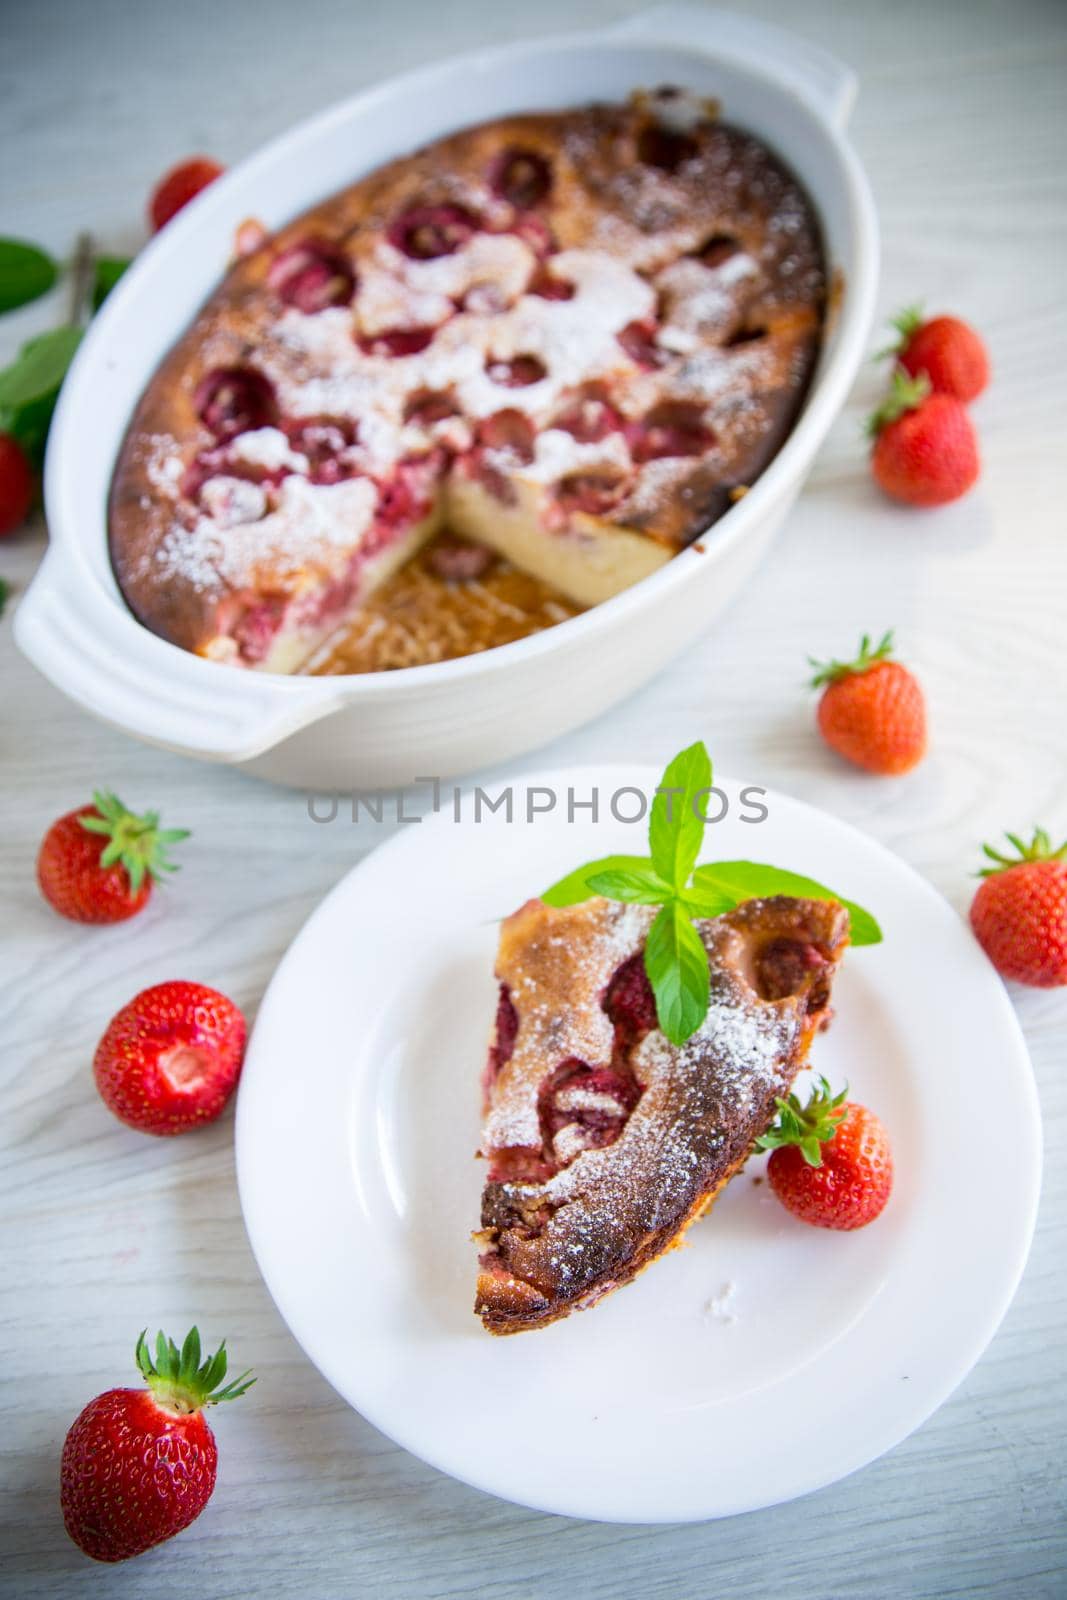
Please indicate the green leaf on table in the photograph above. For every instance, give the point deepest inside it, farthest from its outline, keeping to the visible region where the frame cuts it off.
(748, 880)
(39, 368)
(107, 270)
(676, 826)
(26, 273)
(30, 386)
(5, 590)
(576, 887)
(677, 966)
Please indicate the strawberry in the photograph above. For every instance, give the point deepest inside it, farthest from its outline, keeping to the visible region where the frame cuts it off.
(180, 185)
(16, 485)
(925, 447)
(98, 864)
(139, 1464)
(948, 350)
(872, 710)
(169, 1059)
(1019, 914)
(830, 1161)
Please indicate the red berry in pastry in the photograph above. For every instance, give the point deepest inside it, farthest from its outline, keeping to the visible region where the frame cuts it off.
(1019, 914)
(98, 864)
(233, 400)
(830, 1163)
(638, 339)
(947, 349)
(426, 232)
(925, 447)
(518, 372)
(673, 428)
(139, 1465)
(312, 275)
(872, 710)
(180, 185)
(170, 1059)
(522, 177)
(397, 342)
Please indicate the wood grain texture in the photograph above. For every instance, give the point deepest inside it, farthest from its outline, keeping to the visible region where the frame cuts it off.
(962, 124)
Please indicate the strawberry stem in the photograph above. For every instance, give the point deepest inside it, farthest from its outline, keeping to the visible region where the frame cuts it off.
(907, 323)
(1040, 848)
(830, 671)
(809, 1127)
(905, 394)
(138, 843)
(179, 1381)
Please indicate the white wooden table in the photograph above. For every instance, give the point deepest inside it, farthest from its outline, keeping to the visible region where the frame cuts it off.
(962, 122)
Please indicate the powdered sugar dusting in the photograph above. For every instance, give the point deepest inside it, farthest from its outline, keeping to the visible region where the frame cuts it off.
(267, 448)
(730, 1064)
(313, 526)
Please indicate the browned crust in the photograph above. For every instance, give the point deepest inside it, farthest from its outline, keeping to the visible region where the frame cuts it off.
(519, 1284)
(517, 1307)
(602, 196)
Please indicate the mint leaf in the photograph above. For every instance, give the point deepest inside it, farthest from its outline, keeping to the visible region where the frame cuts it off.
(26, 273)
(675, 828)
(640, 886)
(747, 880)
(706, 902)
(39, 368)
(107, 270)
(575, 887)
(30, 386)
(677, 967)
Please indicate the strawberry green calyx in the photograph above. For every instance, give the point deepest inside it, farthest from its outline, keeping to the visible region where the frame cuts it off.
(809, 1127)
(905, 393)
(137, 843)
(907, 324)
(869, 656)
(177, 1379)
(1040, 848)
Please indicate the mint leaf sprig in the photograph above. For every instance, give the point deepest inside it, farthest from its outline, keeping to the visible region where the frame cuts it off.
(30, 385)
(26, 273)
(675, 958)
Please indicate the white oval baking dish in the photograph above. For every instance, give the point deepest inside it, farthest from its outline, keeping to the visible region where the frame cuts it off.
(388, 728)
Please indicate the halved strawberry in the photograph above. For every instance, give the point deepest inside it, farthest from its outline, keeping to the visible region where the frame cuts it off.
(169, 1060)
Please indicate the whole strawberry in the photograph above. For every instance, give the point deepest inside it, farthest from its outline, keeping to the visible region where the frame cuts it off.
(170, 1058)
(830, 1161)
(98, 864)
(947, 349)
(139, 1464)
(925, 447)
(872, 710)
(16, 485)
(178, 186)
(1019, 914)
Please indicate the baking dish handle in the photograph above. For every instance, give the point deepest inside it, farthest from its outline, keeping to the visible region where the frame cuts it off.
(65, 626)
(826, 83)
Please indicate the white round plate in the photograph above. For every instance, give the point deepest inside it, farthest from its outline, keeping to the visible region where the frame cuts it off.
(763, 1361)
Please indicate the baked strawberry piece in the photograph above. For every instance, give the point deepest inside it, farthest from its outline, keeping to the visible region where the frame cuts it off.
(569, 337)
(603, 1140)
